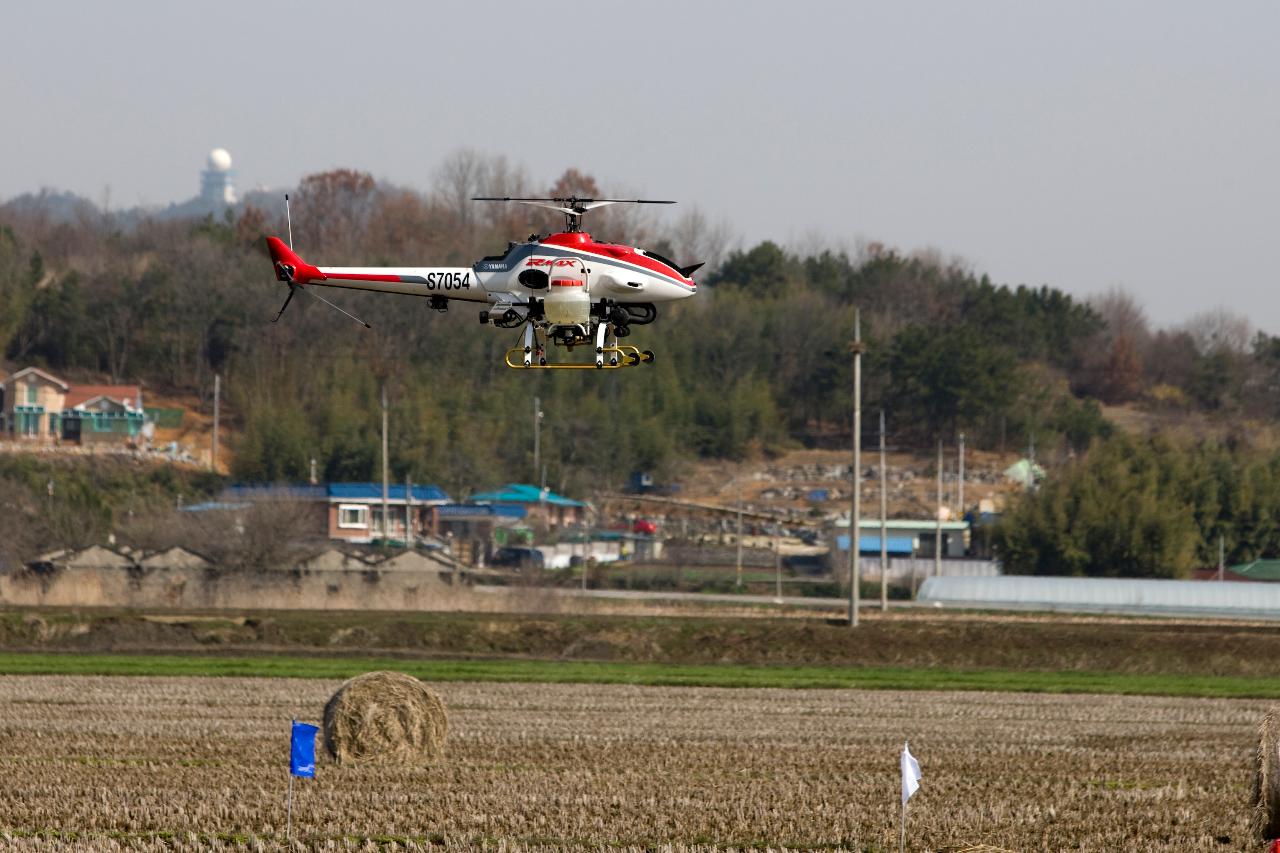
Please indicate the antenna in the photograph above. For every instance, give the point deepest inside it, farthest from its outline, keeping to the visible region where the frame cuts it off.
(296, 286)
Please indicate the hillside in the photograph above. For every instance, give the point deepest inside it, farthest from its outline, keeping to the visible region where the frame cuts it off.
(751, 383)
(195, 437)
(790, 480)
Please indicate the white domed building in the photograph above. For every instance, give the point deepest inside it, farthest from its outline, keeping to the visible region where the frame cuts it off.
(216, 187)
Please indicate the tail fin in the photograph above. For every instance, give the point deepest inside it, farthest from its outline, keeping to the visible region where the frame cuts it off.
(289, 267)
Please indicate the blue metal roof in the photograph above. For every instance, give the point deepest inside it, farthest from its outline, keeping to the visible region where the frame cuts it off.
(214, 506)
(395, 492)
(274, 491)
(338, 491)
(480, 510)
(522, 493)
(898, 545)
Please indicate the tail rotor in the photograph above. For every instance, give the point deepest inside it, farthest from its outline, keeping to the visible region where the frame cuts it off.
(288, 265)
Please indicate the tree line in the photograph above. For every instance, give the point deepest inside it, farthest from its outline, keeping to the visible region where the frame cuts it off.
(1147, 507)
(759, 360)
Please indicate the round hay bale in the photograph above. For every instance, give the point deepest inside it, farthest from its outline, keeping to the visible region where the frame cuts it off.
(1266, 778)
(385, 718)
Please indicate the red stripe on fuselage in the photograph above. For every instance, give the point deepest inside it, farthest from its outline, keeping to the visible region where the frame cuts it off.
(582, 241)
(359, 276)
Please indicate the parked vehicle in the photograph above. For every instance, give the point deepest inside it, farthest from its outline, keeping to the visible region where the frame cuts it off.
(520, 559)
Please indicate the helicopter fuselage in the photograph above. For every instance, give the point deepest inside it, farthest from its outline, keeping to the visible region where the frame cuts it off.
(528, 274)
(566, 287)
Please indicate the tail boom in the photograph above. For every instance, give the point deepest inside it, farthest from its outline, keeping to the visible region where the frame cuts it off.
(449, 282)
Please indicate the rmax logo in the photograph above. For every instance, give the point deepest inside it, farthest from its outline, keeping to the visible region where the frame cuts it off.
(551, 262)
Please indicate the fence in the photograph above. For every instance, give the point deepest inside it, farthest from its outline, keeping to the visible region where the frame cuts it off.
(916, 569)
(165, 418)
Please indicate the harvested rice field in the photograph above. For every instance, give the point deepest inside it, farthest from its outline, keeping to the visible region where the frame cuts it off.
(192, 763)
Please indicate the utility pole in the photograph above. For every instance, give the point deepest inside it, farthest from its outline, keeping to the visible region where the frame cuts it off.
(386, 511)
(884, 524)
(961, 487)
(855, 515)
(408, 512)
(1222, 554)
(217, 402)
(937, 536)
(537, 439)
(777, 562)
(739, 560)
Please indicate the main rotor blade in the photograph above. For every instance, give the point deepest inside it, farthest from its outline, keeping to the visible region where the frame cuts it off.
(627, 200)
(557, 208)
(574, 200)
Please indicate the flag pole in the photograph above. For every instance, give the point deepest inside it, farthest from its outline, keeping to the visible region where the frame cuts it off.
(288, 821)
(902, 841)
(910, 783)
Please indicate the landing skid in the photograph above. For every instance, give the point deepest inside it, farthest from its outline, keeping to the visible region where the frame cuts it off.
(532, 354)
(623, 355)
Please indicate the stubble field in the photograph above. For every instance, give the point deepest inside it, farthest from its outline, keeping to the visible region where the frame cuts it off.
(156, 763)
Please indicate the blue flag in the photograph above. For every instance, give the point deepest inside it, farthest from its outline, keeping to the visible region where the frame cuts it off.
(302, 750)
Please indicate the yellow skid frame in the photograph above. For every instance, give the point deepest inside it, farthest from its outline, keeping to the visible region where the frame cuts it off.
(628, 356)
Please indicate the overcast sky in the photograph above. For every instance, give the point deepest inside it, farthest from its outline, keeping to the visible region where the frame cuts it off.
(1078, 144)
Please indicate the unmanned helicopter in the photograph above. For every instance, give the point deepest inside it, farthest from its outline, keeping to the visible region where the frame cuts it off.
(565, 288)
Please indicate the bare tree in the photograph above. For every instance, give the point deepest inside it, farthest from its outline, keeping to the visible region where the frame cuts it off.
(334, 210)
(693, 238)
(262, 537)
(1122, 316)
(1112, 362)
(19, 540)
(463, 175)
(1220, 332)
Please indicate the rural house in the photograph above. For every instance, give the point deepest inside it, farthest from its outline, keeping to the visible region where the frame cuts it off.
(38, 406)
(347, 512)
(355, 511)
(539, 504)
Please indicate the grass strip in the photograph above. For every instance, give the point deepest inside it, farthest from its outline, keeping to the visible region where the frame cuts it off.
(581, 672)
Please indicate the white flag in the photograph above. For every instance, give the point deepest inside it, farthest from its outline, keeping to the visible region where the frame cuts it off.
(910, 774)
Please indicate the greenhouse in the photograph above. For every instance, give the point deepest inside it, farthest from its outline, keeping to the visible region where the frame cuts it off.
(1119, 595)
